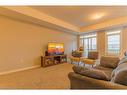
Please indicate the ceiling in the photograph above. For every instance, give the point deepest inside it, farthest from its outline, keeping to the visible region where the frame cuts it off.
(83, 15)
(73, 19)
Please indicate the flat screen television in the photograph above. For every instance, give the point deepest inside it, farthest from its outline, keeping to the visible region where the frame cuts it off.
(55, 48)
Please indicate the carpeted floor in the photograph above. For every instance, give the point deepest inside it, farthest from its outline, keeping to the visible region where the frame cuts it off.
(53, 77)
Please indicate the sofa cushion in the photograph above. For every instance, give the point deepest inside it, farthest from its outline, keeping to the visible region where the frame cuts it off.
(108, 71)
(90, 72)
(78, 69)
(109, 62)
(94, 73)
(121, 69)
(121, 77)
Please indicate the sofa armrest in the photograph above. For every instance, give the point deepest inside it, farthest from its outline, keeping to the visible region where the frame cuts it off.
(109, 61)
(78, 81)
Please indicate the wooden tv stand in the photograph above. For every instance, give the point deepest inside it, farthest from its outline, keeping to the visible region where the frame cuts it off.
(53, 60)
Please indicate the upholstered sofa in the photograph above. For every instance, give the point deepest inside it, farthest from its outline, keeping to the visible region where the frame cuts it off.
(108, 65)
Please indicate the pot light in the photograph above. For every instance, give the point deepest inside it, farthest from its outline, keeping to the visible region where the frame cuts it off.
(98, 16)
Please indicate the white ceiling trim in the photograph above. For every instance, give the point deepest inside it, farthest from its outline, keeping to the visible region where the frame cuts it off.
(28, 11)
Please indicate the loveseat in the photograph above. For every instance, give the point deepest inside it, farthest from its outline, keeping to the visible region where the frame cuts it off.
(110, 66)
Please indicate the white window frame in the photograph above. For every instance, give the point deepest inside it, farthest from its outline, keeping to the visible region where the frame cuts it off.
(112, 32)
(88, 36)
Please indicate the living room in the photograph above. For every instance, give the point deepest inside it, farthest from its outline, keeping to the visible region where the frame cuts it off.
(28, 31)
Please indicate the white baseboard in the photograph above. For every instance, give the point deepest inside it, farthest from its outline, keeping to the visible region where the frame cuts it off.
(17, 70)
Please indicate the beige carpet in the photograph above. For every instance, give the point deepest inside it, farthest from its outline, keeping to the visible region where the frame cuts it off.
(53, 77)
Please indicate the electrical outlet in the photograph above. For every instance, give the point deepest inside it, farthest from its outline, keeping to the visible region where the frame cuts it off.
(21, 60)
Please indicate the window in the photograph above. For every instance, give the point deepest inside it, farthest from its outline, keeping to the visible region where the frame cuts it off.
(88, 41)
(113, 42)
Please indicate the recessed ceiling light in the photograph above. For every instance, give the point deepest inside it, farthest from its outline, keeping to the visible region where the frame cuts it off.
(98, 16)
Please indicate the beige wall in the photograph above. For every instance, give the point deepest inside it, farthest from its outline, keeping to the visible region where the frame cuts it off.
(22, 44)
(101, 42)
(124, 41)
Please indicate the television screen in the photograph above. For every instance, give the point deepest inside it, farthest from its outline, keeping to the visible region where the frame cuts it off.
(56, 48)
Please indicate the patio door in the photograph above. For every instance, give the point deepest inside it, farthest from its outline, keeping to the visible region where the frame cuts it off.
(89, 43)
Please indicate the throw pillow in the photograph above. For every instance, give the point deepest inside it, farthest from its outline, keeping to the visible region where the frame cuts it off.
(78, 69)
(94, 73)
(121, 67)
(123, 60)
(121, 78)
(125, 53)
